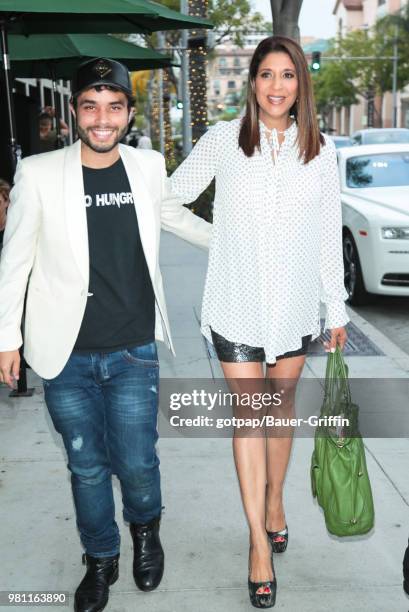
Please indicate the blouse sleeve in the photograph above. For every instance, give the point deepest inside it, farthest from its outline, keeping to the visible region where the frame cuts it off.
(333, 292)
(196, 172)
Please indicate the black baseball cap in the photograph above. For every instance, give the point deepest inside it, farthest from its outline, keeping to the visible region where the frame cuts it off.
(101, 71)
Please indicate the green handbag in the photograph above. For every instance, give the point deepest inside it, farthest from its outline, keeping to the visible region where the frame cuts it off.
(339, 476)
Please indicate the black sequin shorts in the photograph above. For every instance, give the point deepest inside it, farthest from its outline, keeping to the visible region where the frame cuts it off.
(234, 352)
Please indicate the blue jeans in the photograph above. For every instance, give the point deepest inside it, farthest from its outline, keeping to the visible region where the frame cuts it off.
(105, 407)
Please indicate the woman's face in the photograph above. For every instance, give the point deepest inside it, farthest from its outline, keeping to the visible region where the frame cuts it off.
(276, 88)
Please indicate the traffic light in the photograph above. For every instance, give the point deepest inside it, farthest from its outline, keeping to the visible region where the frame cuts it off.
(316, 61)
(179, 104)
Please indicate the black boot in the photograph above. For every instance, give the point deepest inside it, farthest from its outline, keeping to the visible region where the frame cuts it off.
(148, 563)
(406, 571)
(93, 591)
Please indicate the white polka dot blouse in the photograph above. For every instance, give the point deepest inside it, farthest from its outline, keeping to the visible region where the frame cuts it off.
(276, 245)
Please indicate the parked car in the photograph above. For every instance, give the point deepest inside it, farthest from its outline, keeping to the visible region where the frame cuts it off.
(380, 136)
(375, 214)
(342, 141)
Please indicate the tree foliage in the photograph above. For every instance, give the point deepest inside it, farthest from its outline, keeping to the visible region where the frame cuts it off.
(232, 19)
(340, 82)
(372, 74)
(334, 83)
(333, 87)
(235, 19)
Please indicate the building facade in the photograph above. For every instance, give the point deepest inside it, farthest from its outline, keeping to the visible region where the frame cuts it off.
(227, 73)
(362, 14)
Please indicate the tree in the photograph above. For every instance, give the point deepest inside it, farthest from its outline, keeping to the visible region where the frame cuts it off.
(373, 77)
(197, 71)
(232, 19)
(333, 88)
(285, 18)
(387, 29)
(140, 82)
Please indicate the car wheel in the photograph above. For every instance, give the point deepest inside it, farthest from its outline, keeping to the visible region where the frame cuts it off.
(353, 279)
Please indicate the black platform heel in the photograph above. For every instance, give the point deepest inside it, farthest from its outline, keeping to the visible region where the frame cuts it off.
(278, 540)
(267, 598)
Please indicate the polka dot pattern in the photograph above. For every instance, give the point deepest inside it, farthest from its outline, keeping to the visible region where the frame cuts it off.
(276, 246)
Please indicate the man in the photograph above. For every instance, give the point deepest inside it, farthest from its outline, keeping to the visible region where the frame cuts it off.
(84, 224)
(48, 136)
(144, 142)
(133, 138)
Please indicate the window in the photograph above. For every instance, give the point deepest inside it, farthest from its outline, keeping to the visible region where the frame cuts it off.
(231, 84)
(222, 62)
(380, 2)
(236, 61)
(381, 170)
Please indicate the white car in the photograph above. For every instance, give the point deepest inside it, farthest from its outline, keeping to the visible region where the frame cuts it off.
(375, 216)
(380, 136)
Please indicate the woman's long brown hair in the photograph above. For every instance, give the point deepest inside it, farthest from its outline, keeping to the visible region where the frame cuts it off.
(309, 137)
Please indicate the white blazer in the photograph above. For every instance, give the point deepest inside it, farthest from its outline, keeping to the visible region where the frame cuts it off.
(46, 245)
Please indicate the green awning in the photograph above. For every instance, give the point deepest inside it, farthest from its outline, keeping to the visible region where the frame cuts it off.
(58, 55)
(93, 16)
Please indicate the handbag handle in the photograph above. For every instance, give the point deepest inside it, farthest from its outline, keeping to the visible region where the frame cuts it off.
(336, 378)
(343, 373)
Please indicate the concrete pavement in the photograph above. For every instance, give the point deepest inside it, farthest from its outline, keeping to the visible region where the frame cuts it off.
(203, 529)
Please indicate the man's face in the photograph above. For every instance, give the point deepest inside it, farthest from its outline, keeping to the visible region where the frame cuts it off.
(102, 118)
(4, 202)
(45, 127)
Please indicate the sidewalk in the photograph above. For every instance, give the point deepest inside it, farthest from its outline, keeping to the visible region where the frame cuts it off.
(203, 528)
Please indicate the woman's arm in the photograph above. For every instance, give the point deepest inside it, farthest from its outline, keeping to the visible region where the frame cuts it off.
(196, 172)
(181, 221)
(333, 292)
(184, 186)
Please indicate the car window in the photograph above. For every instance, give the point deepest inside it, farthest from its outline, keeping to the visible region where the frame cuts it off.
(357, 139)
(382, 170)
(343, 142)
(385, 137)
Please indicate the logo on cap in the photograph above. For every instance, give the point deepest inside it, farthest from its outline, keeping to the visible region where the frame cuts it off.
(102, 68)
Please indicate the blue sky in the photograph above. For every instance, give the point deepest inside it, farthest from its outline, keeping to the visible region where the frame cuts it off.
(311, 24)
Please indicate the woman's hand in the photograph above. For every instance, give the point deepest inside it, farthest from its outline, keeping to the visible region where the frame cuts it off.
(338, 336)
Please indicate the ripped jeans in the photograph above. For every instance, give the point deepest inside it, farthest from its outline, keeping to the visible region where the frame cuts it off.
(105, 407)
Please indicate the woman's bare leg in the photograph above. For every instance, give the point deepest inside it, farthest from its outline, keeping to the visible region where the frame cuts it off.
(250, 460)
(284, 374)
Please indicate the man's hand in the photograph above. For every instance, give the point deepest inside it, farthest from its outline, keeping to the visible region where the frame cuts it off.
(338, 336)
(9, 367)
(49, 110)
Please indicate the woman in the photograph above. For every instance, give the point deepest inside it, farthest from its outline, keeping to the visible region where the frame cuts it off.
(4, 202)
(275, 253)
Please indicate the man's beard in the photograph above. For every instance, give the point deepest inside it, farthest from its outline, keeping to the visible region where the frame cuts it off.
(101, 147)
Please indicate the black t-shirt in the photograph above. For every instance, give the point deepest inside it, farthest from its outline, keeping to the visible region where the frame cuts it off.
(120, 313)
